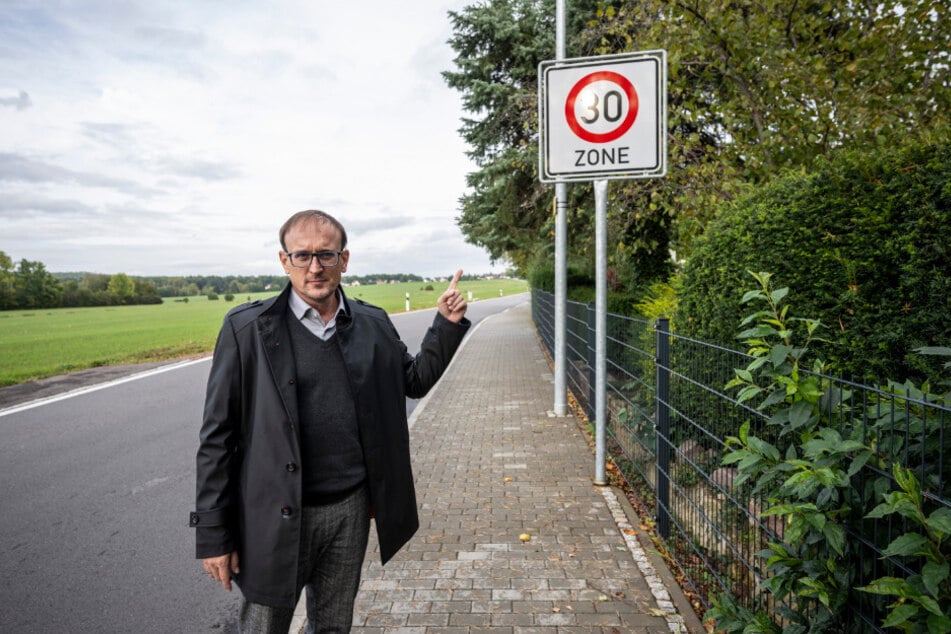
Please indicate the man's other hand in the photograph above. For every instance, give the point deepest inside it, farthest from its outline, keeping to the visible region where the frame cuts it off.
(220, 568)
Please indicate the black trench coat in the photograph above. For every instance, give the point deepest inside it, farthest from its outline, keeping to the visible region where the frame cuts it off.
(248, 464)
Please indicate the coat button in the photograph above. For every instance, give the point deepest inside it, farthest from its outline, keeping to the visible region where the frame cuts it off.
(290, 466)
(286, 512)
(291, 382)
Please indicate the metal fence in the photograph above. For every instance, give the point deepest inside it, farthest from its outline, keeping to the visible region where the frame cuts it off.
(668, 415)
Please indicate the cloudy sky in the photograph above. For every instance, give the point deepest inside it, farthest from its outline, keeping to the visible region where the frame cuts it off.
(174, 137)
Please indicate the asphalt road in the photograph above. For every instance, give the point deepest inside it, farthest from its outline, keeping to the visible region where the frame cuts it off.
(97, 486)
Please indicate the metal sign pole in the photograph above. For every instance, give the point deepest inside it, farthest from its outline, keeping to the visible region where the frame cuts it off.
(561, 248)
(602, 117)
(600, 320)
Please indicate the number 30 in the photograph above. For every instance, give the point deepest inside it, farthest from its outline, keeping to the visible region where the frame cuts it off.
(613, 106)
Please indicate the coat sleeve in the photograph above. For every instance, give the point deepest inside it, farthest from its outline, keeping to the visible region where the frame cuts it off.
(218, 459)
(435, 352)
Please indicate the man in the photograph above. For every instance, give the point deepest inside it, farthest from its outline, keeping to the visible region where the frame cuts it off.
(305, 435)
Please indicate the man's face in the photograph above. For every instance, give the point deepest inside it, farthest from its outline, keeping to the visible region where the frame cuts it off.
(316, 284)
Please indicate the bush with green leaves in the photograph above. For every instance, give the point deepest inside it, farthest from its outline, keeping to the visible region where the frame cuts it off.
(861, 239)
(803, 463)
(801, 473)
(923, 599)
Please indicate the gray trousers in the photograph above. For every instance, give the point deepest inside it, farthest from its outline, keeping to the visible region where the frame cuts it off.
(333, 547)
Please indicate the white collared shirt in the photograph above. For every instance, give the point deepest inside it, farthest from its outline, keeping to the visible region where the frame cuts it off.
(311, 319)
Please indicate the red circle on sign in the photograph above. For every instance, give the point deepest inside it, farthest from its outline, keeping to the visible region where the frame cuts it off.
(626, 123)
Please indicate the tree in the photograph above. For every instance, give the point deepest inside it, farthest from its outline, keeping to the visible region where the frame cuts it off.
(756, 88)
(95, 282)
(146, 293)
(122, 288)
(753, 89)
(499, 45)
(35, 287)
(7, 288)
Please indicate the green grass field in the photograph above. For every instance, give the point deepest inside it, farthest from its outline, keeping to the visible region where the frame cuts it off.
(39, 343)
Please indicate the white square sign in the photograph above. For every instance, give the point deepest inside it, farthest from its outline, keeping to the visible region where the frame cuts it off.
(603, 117)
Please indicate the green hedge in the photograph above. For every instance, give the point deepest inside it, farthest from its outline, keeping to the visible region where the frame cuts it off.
(864, 243)
(581, 287)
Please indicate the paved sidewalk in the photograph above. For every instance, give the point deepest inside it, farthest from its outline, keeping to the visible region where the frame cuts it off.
(492, 464)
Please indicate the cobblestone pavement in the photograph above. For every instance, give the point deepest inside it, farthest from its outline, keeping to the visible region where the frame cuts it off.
(514, 537)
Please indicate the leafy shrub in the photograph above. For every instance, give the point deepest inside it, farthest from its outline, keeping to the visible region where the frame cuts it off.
(862, 241)
(922, 600)
(659, 300)
(212, 296)
(819, 471)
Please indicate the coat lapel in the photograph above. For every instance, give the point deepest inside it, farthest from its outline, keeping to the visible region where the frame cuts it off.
(275, 337)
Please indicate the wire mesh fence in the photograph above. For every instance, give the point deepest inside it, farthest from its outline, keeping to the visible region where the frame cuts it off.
(667, 420)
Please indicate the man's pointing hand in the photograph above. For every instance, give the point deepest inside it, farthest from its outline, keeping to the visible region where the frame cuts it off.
(451, 304)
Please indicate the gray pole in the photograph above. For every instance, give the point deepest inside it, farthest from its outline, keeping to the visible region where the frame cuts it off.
(600, 320)
(561, 260)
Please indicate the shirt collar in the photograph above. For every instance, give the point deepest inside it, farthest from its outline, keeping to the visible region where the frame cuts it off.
(302, 309)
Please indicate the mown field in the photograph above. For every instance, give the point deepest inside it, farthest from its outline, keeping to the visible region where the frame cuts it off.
(40, 343)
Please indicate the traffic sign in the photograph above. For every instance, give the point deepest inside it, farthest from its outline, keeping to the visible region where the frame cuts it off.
(603, 117)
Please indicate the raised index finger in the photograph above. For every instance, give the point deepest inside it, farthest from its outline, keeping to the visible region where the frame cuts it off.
(455, 280)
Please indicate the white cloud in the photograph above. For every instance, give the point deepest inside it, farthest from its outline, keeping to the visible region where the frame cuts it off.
(175, 138)
(20, 102)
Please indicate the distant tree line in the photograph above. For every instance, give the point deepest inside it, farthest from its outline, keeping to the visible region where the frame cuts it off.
(381, 278)
(192, 285)
(27, 285)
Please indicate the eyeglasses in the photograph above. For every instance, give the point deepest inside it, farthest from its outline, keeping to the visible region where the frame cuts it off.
(302, 259)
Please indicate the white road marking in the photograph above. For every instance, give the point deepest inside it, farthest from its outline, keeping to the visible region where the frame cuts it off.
(99, 386)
